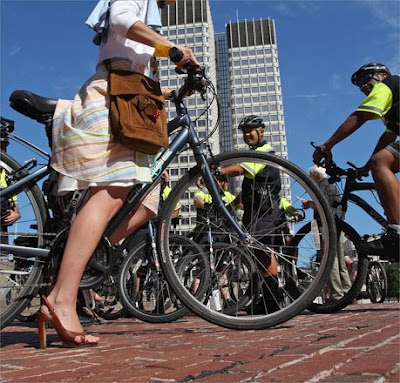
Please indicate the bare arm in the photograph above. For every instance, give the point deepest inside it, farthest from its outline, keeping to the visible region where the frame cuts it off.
(141, 33)
(232, 171)
(198, 202)
(348, 127)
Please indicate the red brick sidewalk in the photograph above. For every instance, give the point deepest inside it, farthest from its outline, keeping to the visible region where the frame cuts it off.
(359, 344)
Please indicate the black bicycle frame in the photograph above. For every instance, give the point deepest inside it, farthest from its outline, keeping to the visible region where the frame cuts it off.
(360, 202)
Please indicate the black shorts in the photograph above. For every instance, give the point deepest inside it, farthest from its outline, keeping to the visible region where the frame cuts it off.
(265, 229)
(394, 148)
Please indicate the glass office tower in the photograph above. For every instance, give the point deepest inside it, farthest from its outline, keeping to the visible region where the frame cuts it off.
(243, 63)
(254, 83)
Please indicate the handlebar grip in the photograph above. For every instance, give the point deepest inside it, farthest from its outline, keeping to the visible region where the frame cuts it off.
(175, 54)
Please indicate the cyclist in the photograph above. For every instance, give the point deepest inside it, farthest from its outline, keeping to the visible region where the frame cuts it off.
(382, 101)
(260, 195)
(88, 158)
(202, 198)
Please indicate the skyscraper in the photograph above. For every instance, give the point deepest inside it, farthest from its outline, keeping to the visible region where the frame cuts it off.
(243, 62)
(254, 82)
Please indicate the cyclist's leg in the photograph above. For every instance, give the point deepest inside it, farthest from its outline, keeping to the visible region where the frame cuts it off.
(85, 234)
(384, 165)
(143, 213)
(267, 265)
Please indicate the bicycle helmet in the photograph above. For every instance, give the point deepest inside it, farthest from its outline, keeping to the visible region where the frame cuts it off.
(368, 69)
(252, 122)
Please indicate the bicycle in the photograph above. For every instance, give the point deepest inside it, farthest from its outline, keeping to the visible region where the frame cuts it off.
(376, 281)
(104, 257)
(143, 289)
(42, 212)
(360, 264)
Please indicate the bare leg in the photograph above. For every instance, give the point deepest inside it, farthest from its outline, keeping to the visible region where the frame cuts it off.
(140, 216)
(384, 165)
(85, 234)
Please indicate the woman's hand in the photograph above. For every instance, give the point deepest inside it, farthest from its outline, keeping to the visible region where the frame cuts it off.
(188, 56)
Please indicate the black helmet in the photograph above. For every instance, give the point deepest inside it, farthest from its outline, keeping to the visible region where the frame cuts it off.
(251, 122)
(368, 69)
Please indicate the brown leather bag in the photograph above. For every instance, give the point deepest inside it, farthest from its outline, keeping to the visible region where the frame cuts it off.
(137, 112)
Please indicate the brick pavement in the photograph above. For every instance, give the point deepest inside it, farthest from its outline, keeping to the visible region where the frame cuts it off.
(359, 344)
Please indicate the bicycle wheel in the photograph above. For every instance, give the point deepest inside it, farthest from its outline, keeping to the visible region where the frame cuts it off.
(143, 288)
(20, 276)
(28, 314)
(295, 183)
(324, 302)
(110, 307)
(377, 283)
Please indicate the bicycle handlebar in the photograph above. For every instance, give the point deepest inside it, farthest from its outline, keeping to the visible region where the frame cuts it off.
(334, 171)
(175, 54)
(195, 81)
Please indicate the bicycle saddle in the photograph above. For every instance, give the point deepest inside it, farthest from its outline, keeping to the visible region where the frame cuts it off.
(33, 106)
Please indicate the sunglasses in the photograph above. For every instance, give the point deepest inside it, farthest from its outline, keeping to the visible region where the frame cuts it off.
(364, 79)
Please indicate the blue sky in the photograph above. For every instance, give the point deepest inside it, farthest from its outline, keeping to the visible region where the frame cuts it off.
(47, 49)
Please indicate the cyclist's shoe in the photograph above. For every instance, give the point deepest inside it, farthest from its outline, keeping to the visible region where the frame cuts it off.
(230, 306)
(387, 247)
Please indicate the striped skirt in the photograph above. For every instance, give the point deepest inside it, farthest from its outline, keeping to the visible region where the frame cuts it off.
(83, 150)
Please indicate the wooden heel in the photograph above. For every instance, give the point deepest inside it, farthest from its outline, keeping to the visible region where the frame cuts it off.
(68, 338)
(42, 329)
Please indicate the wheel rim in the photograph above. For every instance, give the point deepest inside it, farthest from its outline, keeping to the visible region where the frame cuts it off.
(315, 270)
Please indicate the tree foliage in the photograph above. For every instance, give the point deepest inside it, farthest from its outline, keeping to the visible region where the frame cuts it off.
(393, 275)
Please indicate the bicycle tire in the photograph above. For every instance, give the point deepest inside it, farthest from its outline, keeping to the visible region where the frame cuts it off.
(29, 313)
(144, 290)
(15, 294)
(360, 271)
(377, 283)
(300, 185)
(111, 307)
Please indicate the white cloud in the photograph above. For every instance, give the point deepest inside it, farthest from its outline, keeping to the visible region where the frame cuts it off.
(385, 11)
(15, 50)
(311, 96)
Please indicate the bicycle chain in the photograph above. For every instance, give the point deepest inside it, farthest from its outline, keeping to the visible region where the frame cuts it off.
(33, 235)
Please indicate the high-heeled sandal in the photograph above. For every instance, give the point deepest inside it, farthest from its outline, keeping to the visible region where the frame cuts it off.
(67, 337)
